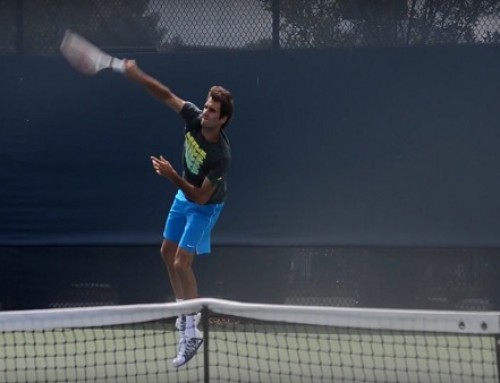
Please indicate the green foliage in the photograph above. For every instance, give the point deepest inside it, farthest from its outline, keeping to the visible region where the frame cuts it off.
(37, 26)
(121, 24)
(330, 23)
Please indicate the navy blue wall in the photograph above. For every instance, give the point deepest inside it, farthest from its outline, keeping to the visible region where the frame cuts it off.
(345, 147)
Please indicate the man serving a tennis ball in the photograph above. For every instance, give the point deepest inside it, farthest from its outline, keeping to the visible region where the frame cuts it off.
(201, 192)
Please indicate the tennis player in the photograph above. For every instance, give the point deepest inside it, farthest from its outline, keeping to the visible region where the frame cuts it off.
(201, 192)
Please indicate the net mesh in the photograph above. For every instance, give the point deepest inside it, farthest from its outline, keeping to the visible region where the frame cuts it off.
(121, 353)
(36, 26)
(305, 353)
(249, 343)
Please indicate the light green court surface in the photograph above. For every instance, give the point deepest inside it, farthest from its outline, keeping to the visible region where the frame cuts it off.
(259, 353)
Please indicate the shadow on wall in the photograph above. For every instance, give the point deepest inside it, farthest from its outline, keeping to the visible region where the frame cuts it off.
(446, 279)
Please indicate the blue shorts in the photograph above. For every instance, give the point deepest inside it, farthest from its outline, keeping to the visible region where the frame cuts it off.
(189, 224)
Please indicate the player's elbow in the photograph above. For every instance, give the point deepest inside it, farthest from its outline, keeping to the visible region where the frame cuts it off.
(202, 195)
(202, 199)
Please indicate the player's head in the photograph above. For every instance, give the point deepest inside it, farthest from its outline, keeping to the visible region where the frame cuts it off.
(225, 99)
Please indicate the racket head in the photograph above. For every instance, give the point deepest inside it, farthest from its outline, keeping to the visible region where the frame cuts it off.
(82, 55)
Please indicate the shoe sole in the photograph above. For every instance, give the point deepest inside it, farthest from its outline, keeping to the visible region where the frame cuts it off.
(198, 345)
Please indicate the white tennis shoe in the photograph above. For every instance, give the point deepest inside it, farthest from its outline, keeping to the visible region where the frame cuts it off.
(187, 347)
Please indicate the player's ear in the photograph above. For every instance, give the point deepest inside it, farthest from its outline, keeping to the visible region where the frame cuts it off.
(223, 120)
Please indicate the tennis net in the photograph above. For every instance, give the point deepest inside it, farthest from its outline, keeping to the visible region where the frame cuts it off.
(249, 343)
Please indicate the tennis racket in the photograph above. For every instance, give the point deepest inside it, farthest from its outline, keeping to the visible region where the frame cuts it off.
(86, 57)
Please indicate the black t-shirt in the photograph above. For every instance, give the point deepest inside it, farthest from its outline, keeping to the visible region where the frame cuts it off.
(201, 158)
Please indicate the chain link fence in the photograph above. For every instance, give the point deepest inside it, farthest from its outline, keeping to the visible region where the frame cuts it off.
(37, 26)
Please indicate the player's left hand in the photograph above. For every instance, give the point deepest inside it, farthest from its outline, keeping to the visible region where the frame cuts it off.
(163, 167)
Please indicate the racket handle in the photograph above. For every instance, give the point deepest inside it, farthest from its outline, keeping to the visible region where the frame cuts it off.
(118, 65)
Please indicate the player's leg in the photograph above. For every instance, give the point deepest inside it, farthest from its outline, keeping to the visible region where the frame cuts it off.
(168, 254)
(174, 229)
(198, 222)
(175, 225)
(183, 270)
(192, 336)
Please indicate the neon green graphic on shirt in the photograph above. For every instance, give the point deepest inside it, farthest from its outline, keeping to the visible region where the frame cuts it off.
(194, 154)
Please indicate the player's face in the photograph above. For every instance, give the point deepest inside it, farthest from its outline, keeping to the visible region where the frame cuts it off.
(210, 118)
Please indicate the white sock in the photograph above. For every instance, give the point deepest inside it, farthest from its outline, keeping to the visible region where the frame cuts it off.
(179, 318)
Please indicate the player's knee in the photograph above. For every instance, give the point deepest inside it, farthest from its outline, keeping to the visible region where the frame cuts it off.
(180, 265)
(183, 260)
(167, 253)
(164, 253)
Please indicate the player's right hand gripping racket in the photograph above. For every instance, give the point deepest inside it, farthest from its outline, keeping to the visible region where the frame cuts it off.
(87, 58)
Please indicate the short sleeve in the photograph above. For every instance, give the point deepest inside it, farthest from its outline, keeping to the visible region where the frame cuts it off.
(191, 114)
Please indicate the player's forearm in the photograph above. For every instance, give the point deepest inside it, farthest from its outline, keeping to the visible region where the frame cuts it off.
(154, 87)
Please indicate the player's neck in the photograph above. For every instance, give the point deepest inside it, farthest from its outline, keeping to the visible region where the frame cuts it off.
(211, 134)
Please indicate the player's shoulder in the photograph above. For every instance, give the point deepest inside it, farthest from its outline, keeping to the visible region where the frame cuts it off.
(192, 115)
(190, 108)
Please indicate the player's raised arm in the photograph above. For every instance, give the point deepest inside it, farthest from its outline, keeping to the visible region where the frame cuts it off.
(155, 87)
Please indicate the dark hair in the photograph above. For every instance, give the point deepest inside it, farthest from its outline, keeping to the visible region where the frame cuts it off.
(225, 98)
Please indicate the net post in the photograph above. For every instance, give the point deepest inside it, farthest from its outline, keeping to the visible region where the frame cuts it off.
(206, 360)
